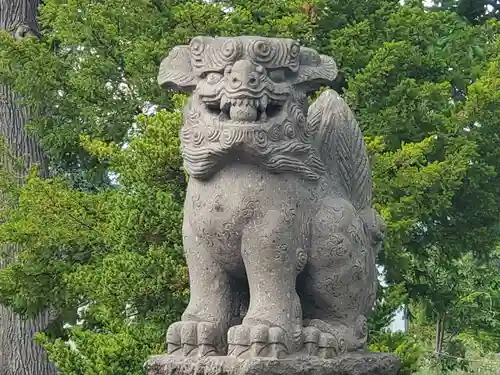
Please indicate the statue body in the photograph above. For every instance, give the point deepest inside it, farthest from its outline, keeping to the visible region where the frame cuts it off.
(279, 234)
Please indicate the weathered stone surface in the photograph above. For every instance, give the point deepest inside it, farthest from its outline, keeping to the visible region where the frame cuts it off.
(347, 364)
(279, 233)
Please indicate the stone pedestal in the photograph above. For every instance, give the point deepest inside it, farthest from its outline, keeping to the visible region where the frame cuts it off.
(349, 364)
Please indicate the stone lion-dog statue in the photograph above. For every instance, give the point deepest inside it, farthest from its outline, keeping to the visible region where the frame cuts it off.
(279, 234)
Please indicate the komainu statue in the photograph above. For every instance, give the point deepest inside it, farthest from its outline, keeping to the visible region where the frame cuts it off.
(279, 233)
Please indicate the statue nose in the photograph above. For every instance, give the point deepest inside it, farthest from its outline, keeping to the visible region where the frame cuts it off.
(251, 80)
(244, 74)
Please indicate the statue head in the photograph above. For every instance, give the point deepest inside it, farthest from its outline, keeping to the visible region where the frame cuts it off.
(246, 91)
(244, 79)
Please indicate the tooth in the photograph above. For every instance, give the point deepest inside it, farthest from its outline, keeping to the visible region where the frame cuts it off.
(263, 116)
(264, 102)
(223, 101)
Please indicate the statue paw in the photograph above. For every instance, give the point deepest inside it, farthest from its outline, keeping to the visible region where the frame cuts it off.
(193, 339)
(322, 344)
(257, 341)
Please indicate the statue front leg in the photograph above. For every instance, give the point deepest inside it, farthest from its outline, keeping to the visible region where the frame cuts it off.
(272, 325)
(204, 324)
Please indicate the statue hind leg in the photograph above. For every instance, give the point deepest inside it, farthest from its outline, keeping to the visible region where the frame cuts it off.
(203, 326)
(338, 286)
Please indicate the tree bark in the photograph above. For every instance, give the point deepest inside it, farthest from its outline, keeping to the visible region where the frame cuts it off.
(440, 332)
(19, 354)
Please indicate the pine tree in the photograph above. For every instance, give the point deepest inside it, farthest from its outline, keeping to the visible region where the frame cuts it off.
(19, 353)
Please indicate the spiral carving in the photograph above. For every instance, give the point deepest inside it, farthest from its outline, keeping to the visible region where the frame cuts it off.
(262, 51)
(289, 130)
(301, 259)
(261, 139)
(294, 55)
(342, 346)
(361, 330)
(294, 50)
(296, 115)
(223, 52)
(198, 137)
(197, 48)
(193, 117)
(230, 137)
(196, 198)
(213, 135)
(248, 209)
(357, 271)
(230, 50)
(338, 244)
(334, 285)
(274, 133)
(185, 134)
(354, 231)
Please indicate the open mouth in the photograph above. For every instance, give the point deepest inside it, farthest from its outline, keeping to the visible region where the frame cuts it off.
(245, 109)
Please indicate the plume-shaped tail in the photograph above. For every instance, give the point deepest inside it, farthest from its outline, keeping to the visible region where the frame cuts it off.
(342, 148)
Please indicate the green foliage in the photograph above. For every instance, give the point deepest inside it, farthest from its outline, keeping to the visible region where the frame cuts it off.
(432, 370)
(113, 254)
(389, 300)
(459, 364)
(407, 347)
(455, 349)
(474, 11)
(106, 255)
(412, 94)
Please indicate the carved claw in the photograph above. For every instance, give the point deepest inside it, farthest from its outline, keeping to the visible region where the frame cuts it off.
(193, 339)
(322, 344)
(257, 341)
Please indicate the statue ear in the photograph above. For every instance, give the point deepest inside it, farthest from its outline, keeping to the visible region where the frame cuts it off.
(315, 70)
(175, 71)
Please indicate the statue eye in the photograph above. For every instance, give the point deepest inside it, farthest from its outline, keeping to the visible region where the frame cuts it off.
(213, 78)
(277, 75)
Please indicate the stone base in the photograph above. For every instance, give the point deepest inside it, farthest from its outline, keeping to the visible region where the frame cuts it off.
(367, 363)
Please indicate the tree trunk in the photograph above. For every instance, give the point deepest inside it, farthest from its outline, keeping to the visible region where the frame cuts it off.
(440, 332)
(19, 354)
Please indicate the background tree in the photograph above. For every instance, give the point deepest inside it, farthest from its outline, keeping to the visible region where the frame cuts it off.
(19, 353)
(474, 11)
(436, 170)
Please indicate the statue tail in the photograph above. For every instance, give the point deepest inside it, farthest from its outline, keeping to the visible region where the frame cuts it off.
(341, 146)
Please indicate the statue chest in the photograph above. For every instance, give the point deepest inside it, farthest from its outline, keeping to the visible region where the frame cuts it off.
(220, 209)
(241, 193)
